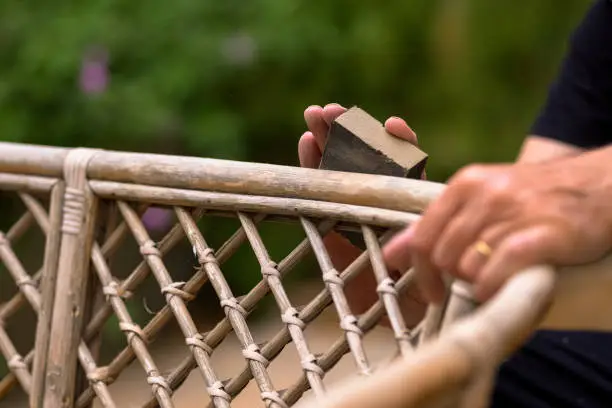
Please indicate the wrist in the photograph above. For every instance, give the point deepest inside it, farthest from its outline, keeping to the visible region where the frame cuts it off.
(590, 176)
(539, 149)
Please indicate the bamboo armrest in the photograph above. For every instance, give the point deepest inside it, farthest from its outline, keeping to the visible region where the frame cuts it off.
(458, 368)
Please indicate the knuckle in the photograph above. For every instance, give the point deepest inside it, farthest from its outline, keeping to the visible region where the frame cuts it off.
(466, 269)
(440, 261)
(500, 183)
(472, 173)
(465, 273)
(441, 264)
(516, 248)
(421, 247)
(498, 189)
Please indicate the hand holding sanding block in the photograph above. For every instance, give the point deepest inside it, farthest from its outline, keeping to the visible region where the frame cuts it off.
(359, 143)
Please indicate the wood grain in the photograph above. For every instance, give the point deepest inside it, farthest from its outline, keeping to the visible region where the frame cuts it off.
(47, 288)
(386, 192)
(73, 273)
(359, 143)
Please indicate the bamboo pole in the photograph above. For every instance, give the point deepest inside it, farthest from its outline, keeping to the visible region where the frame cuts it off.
(26, 183)
(443, 370)
(15, 362)
(289, 207)
(79, 215)
(32, 159)
(47, 289)
(461, 303)
(264, 179)
(385, 192)
(105, 226)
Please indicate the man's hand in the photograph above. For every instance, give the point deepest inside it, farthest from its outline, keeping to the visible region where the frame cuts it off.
(318, 120)
(494, 220)
(361, 291)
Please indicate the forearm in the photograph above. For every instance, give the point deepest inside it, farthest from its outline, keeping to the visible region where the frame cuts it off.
(361, 291)
(537, 149)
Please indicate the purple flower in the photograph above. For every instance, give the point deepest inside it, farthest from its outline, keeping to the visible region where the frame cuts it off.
(94, 76)
(157, 219)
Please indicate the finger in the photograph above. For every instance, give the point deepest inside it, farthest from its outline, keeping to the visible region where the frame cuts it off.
(331, 111)
(399, 128)
(398, 256)
(460, 191)
(438, 214)
(472, 261)
(308, 151)
(428, 279)
(524, 248)
(316, 124)
(428, 230)
(396, 253)
(458, 235)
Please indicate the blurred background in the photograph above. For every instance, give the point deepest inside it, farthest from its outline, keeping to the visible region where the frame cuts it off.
(230, 80)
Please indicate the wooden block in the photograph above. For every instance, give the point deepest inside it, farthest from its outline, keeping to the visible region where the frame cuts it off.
(359, 143)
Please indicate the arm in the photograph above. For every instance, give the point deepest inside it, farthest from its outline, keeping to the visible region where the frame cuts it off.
(577, 116)
(537, 149)
(577, 112)
(560, 217)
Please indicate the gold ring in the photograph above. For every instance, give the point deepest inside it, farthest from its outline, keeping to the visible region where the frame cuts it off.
(483, 248)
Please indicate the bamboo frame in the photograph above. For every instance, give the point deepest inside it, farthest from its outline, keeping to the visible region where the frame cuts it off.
(438, 356)
(19, 300)
(79, 215)
(45, 278)
(229, 177)
(470, 350)
(48, 286)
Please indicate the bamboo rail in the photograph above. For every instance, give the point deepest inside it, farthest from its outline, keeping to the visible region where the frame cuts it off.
(230, 177)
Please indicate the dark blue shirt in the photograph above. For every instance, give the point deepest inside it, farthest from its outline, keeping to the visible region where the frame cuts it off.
(558, 369)
(579, 105)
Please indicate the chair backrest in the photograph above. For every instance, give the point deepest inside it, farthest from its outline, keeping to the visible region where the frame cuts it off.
(88, 202)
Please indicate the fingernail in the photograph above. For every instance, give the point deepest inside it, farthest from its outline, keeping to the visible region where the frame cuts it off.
(329, 105)
(311, 107)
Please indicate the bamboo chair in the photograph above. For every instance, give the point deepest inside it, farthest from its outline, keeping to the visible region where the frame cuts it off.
(87, 202)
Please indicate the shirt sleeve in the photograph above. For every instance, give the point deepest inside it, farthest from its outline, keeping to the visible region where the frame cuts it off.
(578, 109)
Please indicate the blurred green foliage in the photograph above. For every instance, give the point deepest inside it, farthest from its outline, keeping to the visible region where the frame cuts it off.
(230, 79)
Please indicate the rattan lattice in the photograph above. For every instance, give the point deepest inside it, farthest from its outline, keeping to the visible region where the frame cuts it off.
(28, 292)
(89, 206)
(202, 345)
